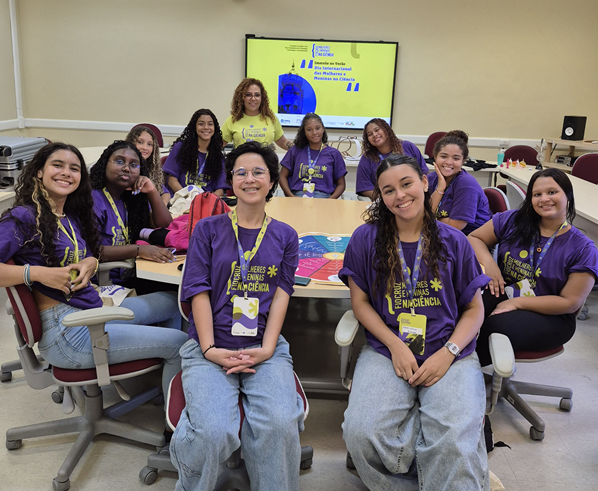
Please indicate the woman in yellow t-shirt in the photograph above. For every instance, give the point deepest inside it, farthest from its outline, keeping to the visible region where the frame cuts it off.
(251, 118)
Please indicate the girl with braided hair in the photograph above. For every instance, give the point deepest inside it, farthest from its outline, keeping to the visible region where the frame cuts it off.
(147, 144)
(415, 286)
(52, 236)
(251, 118)
(197, 157)
(379, 141)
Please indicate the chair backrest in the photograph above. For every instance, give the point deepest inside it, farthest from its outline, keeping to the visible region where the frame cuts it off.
(26, 312)
(515, 195)
(431, 141)
(184, 307)
(156, 131)
(163, 160)
(497, 200)
(586, 167)
(522, 152)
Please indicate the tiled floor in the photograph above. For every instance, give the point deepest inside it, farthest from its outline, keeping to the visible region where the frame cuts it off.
(566, 459)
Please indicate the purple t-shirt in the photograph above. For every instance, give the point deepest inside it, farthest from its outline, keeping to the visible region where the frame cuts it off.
(328, 168)
(464, 199)
(571, 252)
(439, 299)
(366, 170)
(12, 245)
(173, 168)
(212, 265)
(111, 233)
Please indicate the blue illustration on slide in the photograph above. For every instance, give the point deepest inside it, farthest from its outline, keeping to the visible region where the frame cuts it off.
(333, 244)
(295, 94)
(310, 247)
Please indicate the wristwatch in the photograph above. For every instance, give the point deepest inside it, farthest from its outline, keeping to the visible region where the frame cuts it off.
(453, 348)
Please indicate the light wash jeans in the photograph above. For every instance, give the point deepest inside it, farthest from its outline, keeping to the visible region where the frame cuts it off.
(388, 424)
(70, 347)
(317, 194)
(208, 431)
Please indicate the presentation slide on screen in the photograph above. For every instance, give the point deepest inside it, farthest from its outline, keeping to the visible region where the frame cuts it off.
(346, 83)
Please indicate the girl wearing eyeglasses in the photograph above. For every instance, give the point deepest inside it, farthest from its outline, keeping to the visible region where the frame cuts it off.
(312, 169)
(251, 118)
(239, 275)
(51, 235)
(197, 157)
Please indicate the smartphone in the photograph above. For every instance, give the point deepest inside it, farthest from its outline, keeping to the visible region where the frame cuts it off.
(302, 280)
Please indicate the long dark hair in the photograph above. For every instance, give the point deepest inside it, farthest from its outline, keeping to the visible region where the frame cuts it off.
(187, 156)
(370, 151)
(31, 192)
(137, 205)
(387, 263)
(527, 222)
(301, 140)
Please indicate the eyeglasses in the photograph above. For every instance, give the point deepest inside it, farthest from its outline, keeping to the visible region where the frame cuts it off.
(242, 173)
(249, 95)
(121, 164)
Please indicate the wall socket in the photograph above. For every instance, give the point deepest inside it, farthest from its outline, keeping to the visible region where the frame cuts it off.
(504, 144)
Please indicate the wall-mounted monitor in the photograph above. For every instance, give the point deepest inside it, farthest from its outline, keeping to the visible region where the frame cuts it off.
(346, 82)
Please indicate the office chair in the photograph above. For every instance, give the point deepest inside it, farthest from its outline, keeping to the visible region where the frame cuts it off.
(497, 200)
(233, 474)
(95, 420)
(155, 130)
(431, 141)
(515, 195)
(586, 167)
(522, 152)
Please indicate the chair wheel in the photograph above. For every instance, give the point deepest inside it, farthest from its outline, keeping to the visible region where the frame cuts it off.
(57, 396)
(158, 400)
(5, 376)
(565, 404)
(582, 316)
(536, 434)
(349, 461)
(148, 475)
(305, 464)
(13, 444)
(60, 486)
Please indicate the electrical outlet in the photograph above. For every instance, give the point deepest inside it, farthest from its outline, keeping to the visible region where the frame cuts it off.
(504, 144)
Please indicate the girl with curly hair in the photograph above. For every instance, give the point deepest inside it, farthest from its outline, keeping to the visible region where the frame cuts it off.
(197, 157)
(418, 391)
(251, 118)
(311, 168)
(52, 236)
(457, 197)
(379, 141)
(147, 144)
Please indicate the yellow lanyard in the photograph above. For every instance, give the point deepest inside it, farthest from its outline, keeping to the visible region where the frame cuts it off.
(244, 263)
(123, 227)
(73, 239)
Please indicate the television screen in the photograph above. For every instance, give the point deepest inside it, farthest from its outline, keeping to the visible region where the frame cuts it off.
(346, 83)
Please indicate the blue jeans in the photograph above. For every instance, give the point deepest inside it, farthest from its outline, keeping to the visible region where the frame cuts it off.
(317, 194)
(208, 431)
(70, 347)
(388, 424)
(161, 308)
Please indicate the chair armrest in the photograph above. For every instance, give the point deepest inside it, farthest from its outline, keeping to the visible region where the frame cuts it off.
(346, 329)
(105, 268)
(95, 320)
(501, 352)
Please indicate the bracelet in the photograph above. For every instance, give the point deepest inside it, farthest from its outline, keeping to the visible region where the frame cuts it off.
(440, 192)
(208, 349)
(137, 251)
(97, 265)
(27, 276)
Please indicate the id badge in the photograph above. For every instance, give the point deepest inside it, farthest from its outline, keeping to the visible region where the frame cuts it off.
(520, 289)
(414, 326)
(308, 189)
(245, 313)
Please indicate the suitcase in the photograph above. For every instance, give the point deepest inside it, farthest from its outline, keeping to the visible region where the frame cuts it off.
(16, 152)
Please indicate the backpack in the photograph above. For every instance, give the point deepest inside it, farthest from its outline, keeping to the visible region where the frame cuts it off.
(205, 205)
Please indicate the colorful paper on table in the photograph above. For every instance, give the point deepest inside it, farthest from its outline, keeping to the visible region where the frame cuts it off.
(321, 256)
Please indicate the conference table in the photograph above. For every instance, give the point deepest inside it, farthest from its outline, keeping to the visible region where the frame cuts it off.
(586, 199)
(330, 216)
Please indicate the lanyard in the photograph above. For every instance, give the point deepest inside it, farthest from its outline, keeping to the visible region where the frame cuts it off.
(200, 169)
(382, 157)
(312, 163)
(411, 283)
(123, 227)
(73, 239)
(244, 263)
(536, 267)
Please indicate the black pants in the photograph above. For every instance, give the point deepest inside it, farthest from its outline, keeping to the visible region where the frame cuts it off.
(528, 331)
